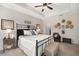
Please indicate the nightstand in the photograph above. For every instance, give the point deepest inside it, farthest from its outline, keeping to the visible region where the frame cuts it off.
(8, 43)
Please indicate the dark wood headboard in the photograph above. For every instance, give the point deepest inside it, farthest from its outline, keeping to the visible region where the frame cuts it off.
(21, 27)
(20, 32)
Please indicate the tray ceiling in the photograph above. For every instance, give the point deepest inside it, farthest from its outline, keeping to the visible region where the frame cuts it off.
(57, 8)
(29, 9)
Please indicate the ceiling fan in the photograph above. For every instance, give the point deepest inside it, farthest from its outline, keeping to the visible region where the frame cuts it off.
(45, 5)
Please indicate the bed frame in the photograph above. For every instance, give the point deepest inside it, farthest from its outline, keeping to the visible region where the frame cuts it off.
(44, 41)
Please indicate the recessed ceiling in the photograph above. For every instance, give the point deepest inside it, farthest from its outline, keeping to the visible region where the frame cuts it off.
(58, 8)
(29, 9)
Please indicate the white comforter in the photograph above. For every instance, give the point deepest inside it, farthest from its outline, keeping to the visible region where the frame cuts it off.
(28, 43)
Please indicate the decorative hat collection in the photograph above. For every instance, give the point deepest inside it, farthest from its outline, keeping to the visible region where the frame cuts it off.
(64, 24)
(68, 24)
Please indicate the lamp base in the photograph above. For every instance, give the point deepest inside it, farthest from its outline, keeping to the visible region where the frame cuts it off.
(8, 35)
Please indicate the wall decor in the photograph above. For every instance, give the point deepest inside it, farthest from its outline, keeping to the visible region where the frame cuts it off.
(64, 25)
(63, 21)
(27, 22)
(63, 31)
(7, 24)
(69, 22)
(57, 25)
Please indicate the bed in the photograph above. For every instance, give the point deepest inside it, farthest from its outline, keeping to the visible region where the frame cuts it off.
(32, 45)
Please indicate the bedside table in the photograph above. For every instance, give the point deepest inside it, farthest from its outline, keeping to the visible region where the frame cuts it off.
(8, 43)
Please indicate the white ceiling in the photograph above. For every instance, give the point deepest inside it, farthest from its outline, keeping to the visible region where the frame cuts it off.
(57, 8)
(28, 8)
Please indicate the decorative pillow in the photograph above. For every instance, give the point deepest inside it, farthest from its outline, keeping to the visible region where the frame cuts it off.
(34, 32)
(27, 32)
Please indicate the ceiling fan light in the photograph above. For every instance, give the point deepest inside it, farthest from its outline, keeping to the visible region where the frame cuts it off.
(42, 10)
(45, 5)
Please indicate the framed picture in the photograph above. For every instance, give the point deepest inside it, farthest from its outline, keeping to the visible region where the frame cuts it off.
(7, 24)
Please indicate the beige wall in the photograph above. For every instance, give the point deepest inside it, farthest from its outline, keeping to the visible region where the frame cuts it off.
(18, 17)
(73, 33)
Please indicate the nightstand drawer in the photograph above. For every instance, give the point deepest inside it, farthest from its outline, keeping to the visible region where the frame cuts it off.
(8, 43)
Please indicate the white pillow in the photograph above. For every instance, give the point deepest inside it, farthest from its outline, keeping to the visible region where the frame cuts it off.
(27, 32)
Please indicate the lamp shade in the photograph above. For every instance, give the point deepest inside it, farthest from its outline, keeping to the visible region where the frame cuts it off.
(8, 30)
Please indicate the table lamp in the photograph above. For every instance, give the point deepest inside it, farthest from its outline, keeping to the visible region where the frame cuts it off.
(8, 31)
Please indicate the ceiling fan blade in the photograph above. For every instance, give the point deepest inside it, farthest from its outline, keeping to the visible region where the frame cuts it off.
(49, 3)
(39, 6)
(50, 7)
(44, 4)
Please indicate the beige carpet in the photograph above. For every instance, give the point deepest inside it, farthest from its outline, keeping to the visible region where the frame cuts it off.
(13, 52)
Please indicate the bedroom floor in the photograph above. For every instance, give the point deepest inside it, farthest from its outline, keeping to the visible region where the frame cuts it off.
(13, 52)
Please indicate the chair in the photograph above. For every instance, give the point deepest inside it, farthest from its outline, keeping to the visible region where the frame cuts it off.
(57, 37)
